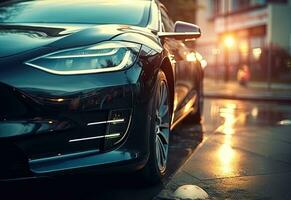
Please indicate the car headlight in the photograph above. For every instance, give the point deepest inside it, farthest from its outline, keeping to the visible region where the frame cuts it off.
(103, 57)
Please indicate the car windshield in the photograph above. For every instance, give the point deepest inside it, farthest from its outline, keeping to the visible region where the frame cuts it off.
(130, 12)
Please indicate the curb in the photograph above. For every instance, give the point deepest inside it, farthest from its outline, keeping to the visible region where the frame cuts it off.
(283, 99)
(165, 193)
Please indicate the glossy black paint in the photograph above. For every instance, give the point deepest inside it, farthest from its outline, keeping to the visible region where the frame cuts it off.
(41, 112)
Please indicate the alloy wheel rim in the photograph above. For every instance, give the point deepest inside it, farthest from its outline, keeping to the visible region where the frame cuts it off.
(162, 127)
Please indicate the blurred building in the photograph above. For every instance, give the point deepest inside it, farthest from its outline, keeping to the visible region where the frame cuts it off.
(249, 29)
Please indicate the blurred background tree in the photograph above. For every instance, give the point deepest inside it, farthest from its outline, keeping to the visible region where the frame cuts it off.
(181, 9)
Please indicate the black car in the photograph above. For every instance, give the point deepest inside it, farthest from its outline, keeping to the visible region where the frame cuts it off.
(93, 85)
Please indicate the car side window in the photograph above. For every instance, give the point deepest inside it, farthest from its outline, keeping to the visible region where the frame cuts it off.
(168, 24)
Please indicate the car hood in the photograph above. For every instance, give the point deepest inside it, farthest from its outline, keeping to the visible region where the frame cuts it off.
(18, 38)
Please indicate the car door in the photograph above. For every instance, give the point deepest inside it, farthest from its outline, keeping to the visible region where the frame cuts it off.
(185, 91)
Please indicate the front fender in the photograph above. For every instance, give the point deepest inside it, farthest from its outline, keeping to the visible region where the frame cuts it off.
(145, 39)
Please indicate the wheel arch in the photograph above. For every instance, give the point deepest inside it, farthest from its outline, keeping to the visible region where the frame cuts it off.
(167, 68)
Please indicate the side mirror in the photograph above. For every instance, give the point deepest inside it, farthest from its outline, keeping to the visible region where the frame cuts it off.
(183, 31)
(184, 27)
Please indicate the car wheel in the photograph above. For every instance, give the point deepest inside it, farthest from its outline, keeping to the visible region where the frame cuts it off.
(156, 166)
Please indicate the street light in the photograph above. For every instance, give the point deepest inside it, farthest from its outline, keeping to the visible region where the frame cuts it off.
(228, 42)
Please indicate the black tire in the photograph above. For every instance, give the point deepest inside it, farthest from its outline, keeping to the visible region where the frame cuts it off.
(156, 166)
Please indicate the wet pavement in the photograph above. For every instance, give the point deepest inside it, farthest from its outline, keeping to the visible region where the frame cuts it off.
(255, 91)
(243, 153)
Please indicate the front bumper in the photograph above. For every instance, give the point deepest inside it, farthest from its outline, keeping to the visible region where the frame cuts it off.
(44, 121)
